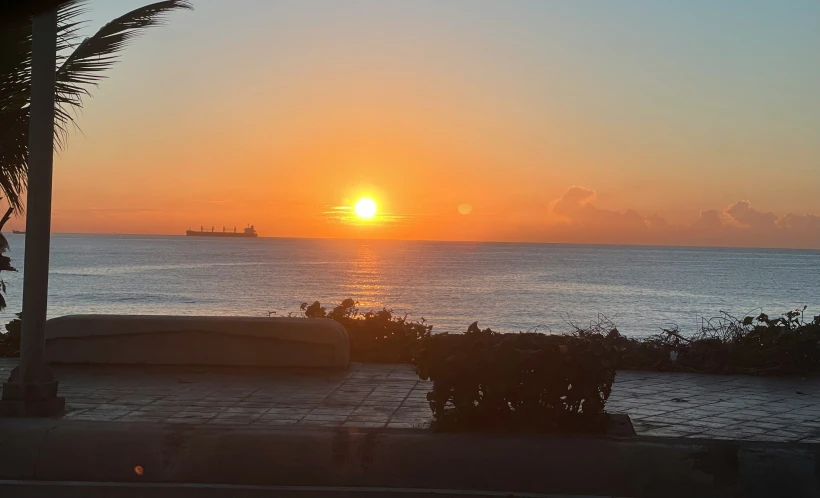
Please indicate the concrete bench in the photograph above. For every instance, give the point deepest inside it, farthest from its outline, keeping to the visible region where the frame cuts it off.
(197, 340)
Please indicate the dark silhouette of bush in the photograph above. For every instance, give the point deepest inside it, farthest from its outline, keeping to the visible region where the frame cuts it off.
(759, 345)
(484, 380)
(10, 340)
(375, 336)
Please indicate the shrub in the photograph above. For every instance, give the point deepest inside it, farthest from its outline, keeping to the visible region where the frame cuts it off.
(375, 336)
(10, 340)
(788, 345)
(484, 380)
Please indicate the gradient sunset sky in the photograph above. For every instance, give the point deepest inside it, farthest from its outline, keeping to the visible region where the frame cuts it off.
(647, 122)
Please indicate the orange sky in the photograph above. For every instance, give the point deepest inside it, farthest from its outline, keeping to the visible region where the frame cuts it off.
(556, 126)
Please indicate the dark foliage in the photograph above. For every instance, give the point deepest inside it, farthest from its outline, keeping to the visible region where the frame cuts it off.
(10, 340)
(484, 380)
(787, 345)
(375, 336)
(81, 64)
(5, 261)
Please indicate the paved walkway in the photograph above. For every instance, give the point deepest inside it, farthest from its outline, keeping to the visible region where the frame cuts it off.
(374, 396)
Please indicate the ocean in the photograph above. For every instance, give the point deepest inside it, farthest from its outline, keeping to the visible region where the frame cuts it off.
(508, 287)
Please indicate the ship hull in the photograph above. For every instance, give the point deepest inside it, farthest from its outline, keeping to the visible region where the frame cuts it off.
(227, 235)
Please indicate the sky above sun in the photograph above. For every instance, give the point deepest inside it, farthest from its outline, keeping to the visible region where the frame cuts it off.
(631, 122)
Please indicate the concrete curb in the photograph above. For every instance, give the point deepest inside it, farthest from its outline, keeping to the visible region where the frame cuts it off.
(56, 450)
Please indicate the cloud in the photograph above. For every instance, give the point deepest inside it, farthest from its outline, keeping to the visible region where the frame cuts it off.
(799, 222)
(737, 224)
(708, 220)
(574, 200)
(576, 206)
(743, 213)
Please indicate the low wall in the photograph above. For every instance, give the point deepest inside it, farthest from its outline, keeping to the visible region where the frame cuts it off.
(197, 340)
(65, 450)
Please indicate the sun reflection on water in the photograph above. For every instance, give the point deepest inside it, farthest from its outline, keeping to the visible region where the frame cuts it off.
(364, 277)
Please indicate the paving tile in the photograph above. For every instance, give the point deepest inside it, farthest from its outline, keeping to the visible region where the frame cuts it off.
(770, 438)
(812, 413)
(714, 435)
(286, 410)
(364, 425)
(408, 425)
(706, 423)
(162, 408)
(642, 412)
(324, 418)
(238, 420)
(140, 417)
(186, 421)
(743, 415)
(217, 404)
(252, 404)
(95, 417)
(247, 411)
(669, 407)
(640, 426)
(79, 406)
(331, 411)
(112, 406)
(325, 423)
(193, 415)
(135, 401)
(425, 408)
(785, 435)
(342, 403)
(202, 410)
(274, 421)
(413, 420)
(791, 417)
(373, 410)
(733, 406)
(74, 414)
(763, 424)
(773, 408)
(364, 418)
(745, 429)
(280, 416)
(670, 431)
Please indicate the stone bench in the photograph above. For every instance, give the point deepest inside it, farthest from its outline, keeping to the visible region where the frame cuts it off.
(197, 340)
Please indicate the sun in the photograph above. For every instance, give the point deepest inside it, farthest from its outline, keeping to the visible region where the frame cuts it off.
(365, 208)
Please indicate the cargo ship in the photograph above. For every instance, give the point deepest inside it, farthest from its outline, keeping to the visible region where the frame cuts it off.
(19, 232)
(248, 232)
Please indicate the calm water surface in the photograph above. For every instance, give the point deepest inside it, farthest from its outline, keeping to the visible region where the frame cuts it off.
(509, 287)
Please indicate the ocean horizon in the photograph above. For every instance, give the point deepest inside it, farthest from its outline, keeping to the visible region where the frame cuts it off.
(514, 242)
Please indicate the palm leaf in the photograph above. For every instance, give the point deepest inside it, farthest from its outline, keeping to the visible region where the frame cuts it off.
(75, 74)
(15, 85)
(84, 67)
(15, 91)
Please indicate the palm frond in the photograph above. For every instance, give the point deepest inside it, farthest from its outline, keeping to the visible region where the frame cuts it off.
(15, 93)
(75, 74)
(84, 67)
(15, 87)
